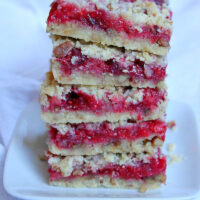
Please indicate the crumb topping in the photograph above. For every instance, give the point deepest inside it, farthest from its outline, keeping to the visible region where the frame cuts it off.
(171, 147)
(138, 12)
(132, 95)
(174, 158)
(104, 52)
(172, 125)
(68, 164)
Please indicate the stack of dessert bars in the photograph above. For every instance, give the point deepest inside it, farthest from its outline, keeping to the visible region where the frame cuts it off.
(104, 99)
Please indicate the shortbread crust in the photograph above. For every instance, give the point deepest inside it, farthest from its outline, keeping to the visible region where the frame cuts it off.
(96, 182)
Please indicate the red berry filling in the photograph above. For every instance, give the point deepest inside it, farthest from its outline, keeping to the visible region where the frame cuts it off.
(77, 100)
(97, 67)
(88, 133)
(101, 20)
(140, 171)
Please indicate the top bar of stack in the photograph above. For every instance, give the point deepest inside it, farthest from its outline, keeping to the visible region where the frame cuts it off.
(105, 98)
(142, 25)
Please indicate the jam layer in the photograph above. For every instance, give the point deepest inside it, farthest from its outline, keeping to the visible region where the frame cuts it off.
(115, 166)
(90, 15)
(82, 58)
(70, 135)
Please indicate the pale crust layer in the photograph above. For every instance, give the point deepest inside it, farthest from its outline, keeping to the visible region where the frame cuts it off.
(110, 38)
(124, 146)
(98, 181)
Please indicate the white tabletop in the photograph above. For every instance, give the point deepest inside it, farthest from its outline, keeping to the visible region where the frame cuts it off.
(25, 50)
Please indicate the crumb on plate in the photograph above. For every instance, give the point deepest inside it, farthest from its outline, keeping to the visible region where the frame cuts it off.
(171, 125)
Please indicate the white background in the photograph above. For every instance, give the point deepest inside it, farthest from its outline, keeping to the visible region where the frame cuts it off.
(25, 50)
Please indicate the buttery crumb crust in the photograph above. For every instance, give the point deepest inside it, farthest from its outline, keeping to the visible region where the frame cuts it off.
(108, 182)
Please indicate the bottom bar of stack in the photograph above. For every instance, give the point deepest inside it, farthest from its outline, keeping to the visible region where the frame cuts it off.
(127, 170)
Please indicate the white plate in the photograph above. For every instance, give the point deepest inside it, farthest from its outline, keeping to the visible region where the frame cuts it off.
(25, 176)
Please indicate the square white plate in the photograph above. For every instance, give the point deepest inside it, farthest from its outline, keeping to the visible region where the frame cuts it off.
(25, 176)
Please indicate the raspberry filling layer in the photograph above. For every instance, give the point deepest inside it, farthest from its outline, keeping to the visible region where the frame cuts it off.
(99, 19)
(140, 171)
(137, 70)
(88, 133)
(77, 100)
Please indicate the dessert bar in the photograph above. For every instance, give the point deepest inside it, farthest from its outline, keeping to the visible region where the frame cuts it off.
(95, 138)
(78, 62)
(108, 170)
(76, 104)
(143, 25)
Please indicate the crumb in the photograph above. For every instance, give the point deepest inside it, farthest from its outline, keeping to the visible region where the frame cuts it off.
(171, 125)
(171, 147)
(143, 188)
(174, 158)
(125, 71)
(49, 76)
(42, 157)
